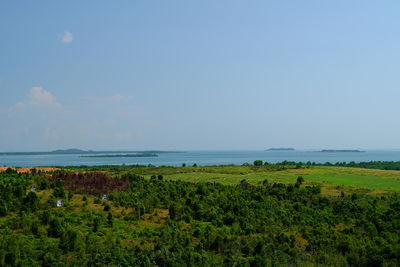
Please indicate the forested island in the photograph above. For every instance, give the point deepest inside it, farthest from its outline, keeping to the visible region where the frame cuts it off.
(263, 215)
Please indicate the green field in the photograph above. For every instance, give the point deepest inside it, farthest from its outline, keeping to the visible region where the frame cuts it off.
(332, 179)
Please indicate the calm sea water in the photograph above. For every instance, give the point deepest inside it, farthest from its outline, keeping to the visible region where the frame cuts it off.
(202, 158)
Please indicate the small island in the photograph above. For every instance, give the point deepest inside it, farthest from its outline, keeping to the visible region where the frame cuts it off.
(280, 149)
(138, 155)
(340, 150)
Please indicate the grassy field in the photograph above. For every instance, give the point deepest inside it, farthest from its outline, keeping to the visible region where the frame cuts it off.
(332, 179)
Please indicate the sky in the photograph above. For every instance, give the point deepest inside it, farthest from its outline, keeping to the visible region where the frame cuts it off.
(199, 75)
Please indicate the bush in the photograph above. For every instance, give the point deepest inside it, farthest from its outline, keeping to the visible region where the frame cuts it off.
(258, 162)
(3, 209)
(107, 207)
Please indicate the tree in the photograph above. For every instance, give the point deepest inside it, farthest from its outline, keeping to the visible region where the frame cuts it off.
(96, 223)
(107, 207)
(11, 171)
(3, 209)
(59, 189)
(258, 162)
(31, 202)
(55, 228)
(173, 211)
(300, 179)
(35, 228)
(110, 219)
(69, 240)
(244, 183)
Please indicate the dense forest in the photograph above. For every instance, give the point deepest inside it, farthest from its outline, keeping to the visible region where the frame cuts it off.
(126, 220)
(382, 165)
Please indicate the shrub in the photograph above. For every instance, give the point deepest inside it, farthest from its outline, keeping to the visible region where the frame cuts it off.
(258, 162)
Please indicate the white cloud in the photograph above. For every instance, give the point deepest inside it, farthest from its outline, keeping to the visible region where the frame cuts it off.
(40, 122)
(39, 98)
(66, 37)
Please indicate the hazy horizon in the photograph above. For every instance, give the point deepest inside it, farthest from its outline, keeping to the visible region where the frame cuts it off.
(209, 75)
(205, 150)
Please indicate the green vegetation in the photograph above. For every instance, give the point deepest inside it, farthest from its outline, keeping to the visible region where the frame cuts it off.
(382, 165)
(379, 165)
(264, 215)
(332, 179)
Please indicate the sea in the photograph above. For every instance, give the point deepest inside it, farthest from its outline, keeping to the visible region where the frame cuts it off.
(200, 158)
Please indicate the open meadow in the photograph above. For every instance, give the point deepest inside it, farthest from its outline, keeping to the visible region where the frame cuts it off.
(332, 179)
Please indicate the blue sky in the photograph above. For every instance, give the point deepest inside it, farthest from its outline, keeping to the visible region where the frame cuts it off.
(199, 74)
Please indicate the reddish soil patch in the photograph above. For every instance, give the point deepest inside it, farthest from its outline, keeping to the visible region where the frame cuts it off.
(91, 183)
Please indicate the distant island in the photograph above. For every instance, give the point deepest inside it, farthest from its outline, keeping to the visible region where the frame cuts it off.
(75, 151)
(340, 150)
(136, 155)
(280, 149)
